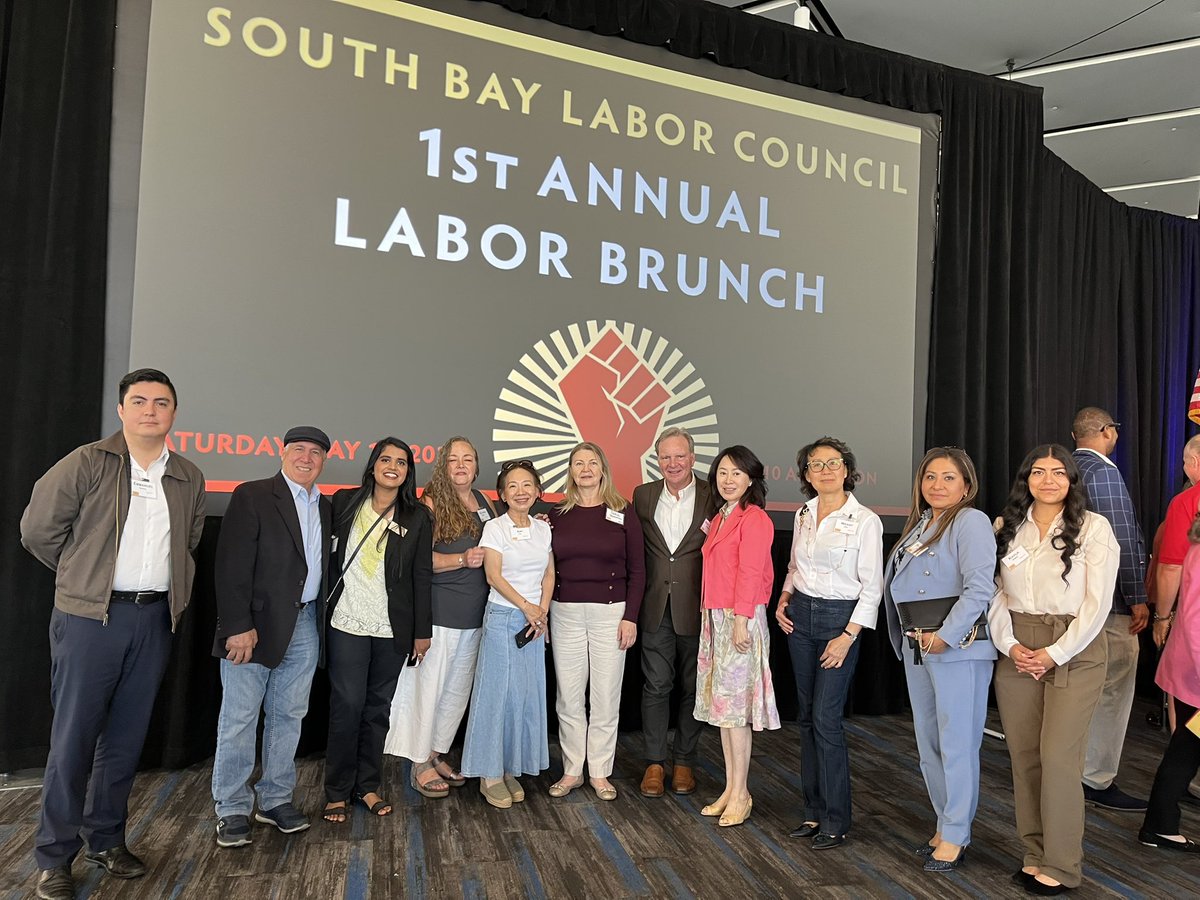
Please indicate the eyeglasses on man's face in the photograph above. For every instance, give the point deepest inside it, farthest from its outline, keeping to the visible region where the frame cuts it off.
(818, 465)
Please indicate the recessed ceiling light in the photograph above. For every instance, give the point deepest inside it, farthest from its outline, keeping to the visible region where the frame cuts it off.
(1054, 109)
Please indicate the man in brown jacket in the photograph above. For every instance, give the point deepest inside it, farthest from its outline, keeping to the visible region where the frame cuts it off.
(117, 520)
(674, 512)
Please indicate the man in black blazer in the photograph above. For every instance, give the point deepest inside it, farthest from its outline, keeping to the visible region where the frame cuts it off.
(674, 512)
(271, 580)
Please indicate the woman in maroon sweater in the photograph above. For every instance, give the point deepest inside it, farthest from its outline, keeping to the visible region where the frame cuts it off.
(599, 564)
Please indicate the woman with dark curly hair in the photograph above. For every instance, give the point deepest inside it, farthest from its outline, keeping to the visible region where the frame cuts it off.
(831, 593)
(1057, 567)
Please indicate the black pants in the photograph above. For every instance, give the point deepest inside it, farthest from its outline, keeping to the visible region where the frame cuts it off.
(666, 655)
(1177, 769)
(103, 681)
(362, 679)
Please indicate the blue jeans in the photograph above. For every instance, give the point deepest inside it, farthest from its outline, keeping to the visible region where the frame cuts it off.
(282, 694)
(822, 693)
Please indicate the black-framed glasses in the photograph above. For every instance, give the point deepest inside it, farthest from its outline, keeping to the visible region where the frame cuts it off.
(1116, 426)
(833, 465)
(516, 464)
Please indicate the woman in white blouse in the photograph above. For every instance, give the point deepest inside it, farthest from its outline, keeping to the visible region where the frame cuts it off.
(831, 593)
(1057, 570)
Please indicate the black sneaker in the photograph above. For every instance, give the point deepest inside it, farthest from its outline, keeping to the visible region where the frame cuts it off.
(1112, 797)
(233, 831)
(285, 817)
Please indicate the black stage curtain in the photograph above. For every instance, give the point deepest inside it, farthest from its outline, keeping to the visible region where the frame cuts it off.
(56, 61)
(1047, 295)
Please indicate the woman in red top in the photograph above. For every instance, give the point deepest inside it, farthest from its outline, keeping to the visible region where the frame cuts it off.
(733, 672)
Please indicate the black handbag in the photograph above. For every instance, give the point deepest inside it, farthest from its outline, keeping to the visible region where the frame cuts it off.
(928, 616)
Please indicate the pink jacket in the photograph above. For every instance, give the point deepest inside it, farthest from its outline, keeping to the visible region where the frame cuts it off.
(737, 572)
(1179, 668)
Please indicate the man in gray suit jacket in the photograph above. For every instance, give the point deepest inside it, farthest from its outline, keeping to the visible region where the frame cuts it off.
(674, 513)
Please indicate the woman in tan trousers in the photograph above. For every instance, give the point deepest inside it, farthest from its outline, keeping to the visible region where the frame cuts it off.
(1057, 570)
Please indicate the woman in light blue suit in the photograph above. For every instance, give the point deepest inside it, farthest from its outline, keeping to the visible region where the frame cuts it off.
(948, 551)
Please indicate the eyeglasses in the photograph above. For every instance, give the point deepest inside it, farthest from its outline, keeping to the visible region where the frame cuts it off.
(833, 465)
(516, 464)
(1115, 426)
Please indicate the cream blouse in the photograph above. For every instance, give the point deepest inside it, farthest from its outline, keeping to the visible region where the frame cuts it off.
(1030, 581)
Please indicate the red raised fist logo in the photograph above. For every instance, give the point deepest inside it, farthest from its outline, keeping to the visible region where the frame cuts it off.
(618, 403)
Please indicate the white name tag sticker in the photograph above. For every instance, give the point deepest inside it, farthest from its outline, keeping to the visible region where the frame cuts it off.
(613, 516)
(845, 526)
(916, 549)
(1015, 557)
(397, 529)
(143, 487)
(483, 513)
(521, 534)
(704, 525)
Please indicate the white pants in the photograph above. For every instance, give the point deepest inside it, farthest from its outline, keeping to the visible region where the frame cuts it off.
(583, 639)
(431, 698)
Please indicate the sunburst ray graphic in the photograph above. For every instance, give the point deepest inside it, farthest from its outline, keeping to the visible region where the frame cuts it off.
(616, 384)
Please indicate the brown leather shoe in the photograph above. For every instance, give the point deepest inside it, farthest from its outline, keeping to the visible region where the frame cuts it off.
(652, 781)
(683, 780)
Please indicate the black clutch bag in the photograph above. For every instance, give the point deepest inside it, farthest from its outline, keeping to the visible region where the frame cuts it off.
(928, 616)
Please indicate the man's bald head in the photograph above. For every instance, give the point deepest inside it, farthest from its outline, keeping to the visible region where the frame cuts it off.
(1094, 429)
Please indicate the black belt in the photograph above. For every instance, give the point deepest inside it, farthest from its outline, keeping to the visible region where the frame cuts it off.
(140, 598)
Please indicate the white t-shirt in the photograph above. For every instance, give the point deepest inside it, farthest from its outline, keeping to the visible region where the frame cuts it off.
(525, 553)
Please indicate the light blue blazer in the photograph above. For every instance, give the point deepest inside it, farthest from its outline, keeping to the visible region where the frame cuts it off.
(961, 564)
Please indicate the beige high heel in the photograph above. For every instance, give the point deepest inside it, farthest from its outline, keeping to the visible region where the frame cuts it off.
(715, 808)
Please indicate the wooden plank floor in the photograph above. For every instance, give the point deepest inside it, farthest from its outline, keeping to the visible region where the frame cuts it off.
(582, 847)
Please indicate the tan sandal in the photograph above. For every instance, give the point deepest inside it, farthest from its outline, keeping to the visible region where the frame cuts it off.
(433, 787)
(449, 774)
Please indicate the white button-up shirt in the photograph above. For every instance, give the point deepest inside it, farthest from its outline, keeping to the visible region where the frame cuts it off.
(673, 515)
(144, 552)
(840, 559)
(1035, 585)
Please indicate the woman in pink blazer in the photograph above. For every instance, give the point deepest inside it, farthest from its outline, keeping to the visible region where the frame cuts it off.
(733, 672)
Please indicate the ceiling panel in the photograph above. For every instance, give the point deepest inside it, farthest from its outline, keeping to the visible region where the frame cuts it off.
(1177, 199)
(1133, 154)
(1122, 89)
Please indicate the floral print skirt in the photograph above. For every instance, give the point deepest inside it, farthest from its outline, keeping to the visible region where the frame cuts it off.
(734, 689)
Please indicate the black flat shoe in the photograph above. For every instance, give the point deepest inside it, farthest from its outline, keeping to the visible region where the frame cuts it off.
(945, 865)
(1150, 839)
(805, 829)
(1033, 886)
(1021, 877)
(825, 841)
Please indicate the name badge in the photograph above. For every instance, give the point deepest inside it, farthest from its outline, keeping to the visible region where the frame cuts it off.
(333, 548)
(1015, 557)
(704, 525)
(916, 549)
(483, 514)
(397, 529)
(143, 487)
(521, 534)
(845, 526)
(613, 516)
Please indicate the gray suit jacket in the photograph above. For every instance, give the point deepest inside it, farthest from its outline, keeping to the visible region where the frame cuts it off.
(675, 575)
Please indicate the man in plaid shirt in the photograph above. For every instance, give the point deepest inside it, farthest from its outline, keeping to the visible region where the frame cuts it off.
(1095, 435)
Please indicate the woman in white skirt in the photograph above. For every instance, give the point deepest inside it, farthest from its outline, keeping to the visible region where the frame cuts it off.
(733, 671)
(431, 698)
(506, 730)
